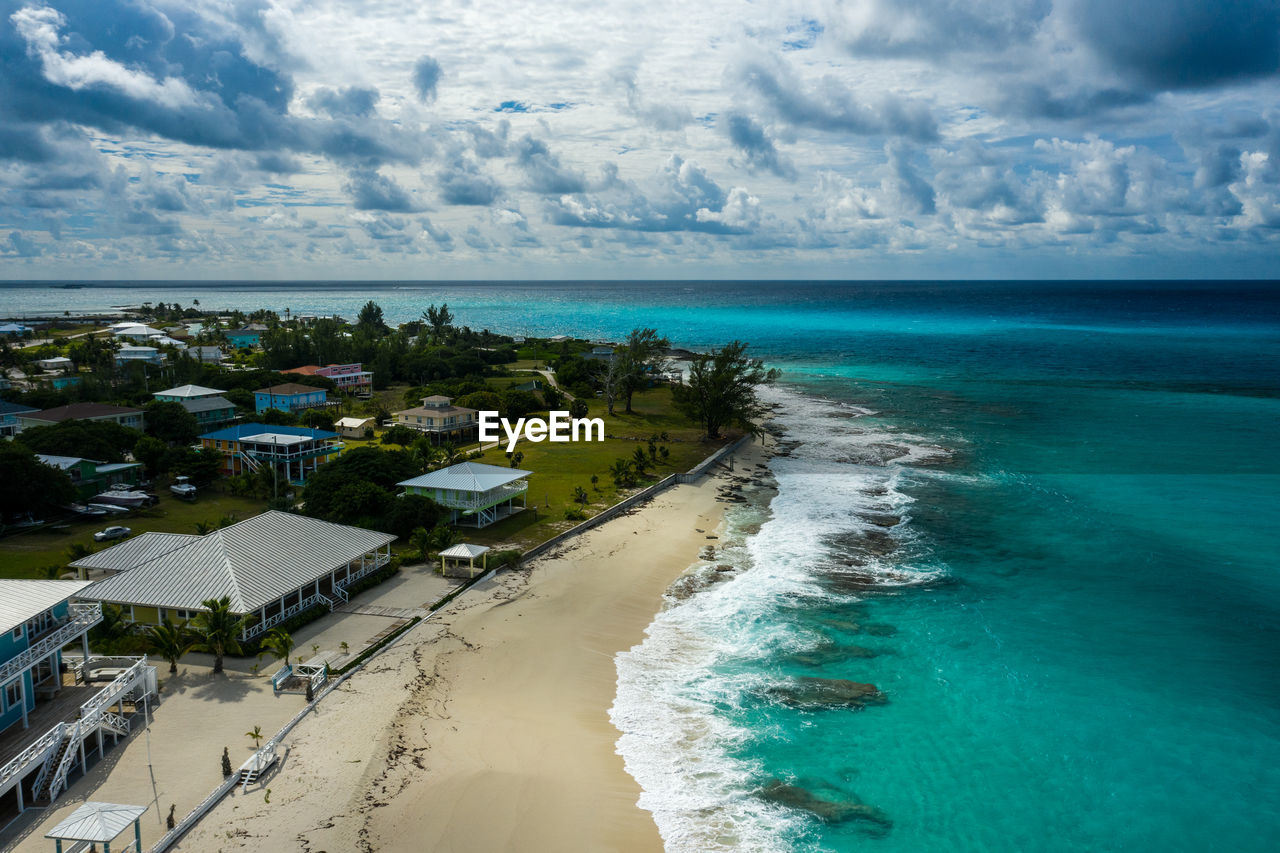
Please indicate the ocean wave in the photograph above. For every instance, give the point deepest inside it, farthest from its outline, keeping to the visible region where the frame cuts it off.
(837, 527)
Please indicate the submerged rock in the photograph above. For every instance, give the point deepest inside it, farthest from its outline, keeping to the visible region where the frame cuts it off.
(795, 797)
(881, 519)
(827, 693)
(829, 654)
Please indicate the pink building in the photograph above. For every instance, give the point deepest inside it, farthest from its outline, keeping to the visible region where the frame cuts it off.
(350, 378)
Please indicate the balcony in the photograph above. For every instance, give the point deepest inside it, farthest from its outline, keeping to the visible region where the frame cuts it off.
(80, 618)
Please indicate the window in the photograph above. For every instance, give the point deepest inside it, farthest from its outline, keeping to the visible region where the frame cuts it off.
(13, 693)
(17, 633)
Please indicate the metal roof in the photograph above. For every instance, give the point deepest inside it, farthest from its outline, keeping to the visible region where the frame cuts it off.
(99, 822)
(206, 404)
(352, 423)
(464, 551)
(63, 462)
(81, 410)
(10, 408)
(234, 433)
(274, 438)
(21, 600)
(132, 329)
(467, 477)
(253, 562)
(189, 392)
(135, 551)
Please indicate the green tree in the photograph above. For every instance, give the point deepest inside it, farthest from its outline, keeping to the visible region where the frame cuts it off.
(152, 453)
(622, 473)
(370, 320)
(217, 630)
(722, 389)
(400, 434)
(578, 409)
(170, 642)
(439, 319)
(171, 423)
(31, 485)
(409, 512)
(641, 357)
(279, 643)
(105, 441)
(420, 540)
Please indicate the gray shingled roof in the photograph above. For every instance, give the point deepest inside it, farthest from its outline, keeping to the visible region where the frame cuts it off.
(207, 404)
(253, 562)
(467, 476)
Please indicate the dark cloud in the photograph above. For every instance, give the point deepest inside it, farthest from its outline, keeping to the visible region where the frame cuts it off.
(168, 71)
(544, 173)
(21, 246)
(426, 78)
(348, 101)
(1175, 44)
(930, 28)
(462, 182)
(905, 180)
(750, 138)
(830, 106)
(1034, 100)
(490, 143)
(370, 190)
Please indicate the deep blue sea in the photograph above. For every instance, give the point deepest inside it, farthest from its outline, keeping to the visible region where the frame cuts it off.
(1075, 617)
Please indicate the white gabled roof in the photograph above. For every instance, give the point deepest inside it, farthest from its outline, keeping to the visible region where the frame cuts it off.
(352, 423)
(252, 562)
(468, 477)
(21, 600)
(135, 551)
(100, 822)
(464, 551)
(134, 329)
(189, 392)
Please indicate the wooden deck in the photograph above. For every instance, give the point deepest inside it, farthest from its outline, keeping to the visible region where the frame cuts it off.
(63, 708)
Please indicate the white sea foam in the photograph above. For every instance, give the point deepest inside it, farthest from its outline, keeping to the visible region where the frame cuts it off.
(678, 689)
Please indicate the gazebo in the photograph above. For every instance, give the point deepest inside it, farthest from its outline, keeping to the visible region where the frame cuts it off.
(461, 552)
(99, 823)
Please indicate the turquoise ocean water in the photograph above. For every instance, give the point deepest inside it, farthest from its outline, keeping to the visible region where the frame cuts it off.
(1075, 621)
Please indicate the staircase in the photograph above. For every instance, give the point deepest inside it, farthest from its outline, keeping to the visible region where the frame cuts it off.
(48, 785)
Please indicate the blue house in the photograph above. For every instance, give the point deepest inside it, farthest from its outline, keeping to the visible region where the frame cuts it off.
(290, 397)
(295, 452)
(9, 412)
(37, 620)
(243, 338)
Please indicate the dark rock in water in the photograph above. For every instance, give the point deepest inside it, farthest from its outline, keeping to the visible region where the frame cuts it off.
(881, 519)
(712, 536)
(880, 630)
(832, 654)
(875, 542)
(850, 582)
(808, 692)
(724, 567)
(795, 797)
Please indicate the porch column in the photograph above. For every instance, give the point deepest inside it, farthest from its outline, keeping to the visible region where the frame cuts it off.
(22, 696)
(84, 644)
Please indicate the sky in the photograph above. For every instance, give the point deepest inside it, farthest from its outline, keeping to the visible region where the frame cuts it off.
(407, 139)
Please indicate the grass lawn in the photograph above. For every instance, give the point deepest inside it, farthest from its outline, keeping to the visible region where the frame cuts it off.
(26, 555)
(559, 468)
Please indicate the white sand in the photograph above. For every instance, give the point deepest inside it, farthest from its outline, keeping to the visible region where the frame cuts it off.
(488, 727)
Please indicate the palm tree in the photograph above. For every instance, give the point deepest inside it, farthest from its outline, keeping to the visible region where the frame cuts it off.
(421, 540)
(170, 641)
(257, 736)
(278, 642)
(442, 536)
(218, 630)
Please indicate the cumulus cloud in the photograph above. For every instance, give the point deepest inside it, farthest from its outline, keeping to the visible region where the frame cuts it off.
(347, 101)
(370, 190)
(830, 105)
(462, 182)
(543, 170)
(750, 138)
(426, 78)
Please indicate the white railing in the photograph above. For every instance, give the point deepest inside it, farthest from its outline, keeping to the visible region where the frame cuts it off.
(292, 610)
(69, 756)
(82, 618)
(91, 711)
(38, 751)
(249, 461)
(281, 674)
(486, 499)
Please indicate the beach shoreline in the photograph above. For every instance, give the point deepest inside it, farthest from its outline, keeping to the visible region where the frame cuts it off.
(488, 727)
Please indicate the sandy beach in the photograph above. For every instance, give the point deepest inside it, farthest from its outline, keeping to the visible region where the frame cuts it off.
(488, 728)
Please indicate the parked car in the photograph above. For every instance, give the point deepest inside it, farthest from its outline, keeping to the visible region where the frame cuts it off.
(110, 533)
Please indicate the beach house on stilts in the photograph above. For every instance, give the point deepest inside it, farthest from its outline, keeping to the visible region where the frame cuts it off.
(57, 716)
(476, 494)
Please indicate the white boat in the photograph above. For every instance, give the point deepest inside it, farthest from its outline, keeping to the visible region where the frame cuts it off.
(123, 498)
(108, 508)
(183, 488)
